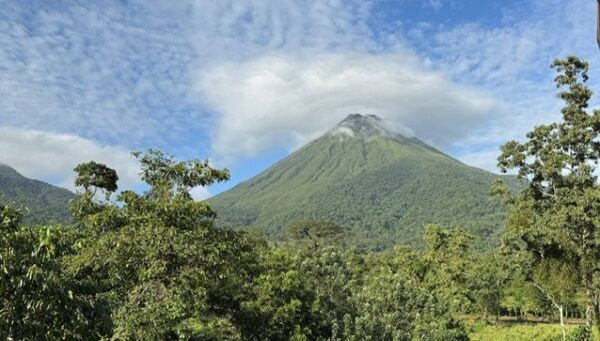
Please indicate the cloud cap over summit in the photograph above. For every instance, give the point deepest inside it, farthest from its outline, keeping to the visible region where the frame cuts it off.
(367, 127)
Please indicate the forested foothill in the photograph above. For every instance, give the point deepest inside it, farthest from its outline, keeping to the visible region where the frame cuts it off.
(154, 266)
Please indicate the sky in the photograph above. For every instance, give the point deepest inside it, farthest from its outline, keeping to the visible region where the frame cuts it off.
(243, 83)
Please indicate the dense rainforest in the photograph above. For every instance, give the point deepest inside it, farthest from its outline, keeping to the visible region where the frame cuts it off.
(154, 266)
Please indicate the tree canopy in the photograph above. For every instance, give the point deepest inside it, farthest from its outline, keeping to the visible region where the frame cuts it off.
(554, 221)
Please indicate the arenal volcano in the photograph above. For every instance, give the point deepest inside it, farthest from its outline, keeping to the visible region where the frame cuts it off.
(379, 184)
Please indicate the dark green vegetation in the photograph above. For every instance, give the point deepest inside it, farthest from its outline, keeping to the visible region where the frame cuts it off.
(380, 185)
(44, 203)
(154, 266)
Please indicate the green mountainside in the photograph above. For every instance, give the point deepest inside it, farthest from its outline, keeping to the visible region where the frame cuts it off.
(379, 184)
(41, 203)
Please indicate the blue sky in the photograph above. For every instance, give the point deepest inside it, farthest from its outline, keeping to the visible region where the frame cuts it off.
(245, 82)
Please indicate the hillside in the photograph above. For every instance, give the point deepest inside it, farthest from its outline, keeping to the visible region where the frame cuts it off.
(44, 203)
(379, 184)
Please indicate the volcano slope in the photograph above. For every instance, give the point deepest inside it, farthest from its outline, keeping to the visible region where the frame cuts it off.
(380, 185)
(41, 203)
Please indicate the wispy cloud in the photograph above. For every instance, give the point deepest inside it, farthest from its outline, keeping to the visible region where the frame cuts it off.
(235, 30)
(108, 73)
(511, 62)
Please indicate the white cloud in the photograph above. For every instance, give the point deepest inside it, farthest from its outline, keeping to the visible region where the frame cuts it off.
(51, 156)
(200, 193)
(263, 102)
(485, 159)
(492, 83)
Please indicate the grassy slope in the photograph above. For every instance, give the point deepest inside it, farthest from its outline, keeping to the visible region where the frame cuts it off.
(44, 203)
(519, 332)
(384, 190)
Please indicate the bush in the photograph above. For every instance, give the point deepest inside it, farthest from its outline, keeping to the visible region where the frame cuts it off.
(580, 334)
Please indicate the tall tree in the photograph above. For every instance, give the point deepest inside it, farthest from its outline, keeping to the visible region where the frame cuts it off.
(557, 280)
(559, 212)
(165, 270)
(92, 176)
(317, 232)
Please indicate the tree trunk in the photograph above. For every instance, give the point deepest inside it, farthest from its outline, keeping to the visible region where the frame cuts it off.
(562, 322)
(589, 304)
(597, 310)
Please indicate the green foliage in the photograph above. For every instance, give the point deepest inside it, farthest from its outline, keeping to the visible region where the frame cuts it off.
(37, 300)
(303, 295)
(40, 202)
(91, 177)
(580, 334)
(391, 306)
(168, 177)
(558, 278)
(317, 232)
(153, 266)
(96, 175)
(448, 259)
(521, 297)
(333, 276)
(280, 307)
(487, 279)
(382, 188)
(164, 270)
